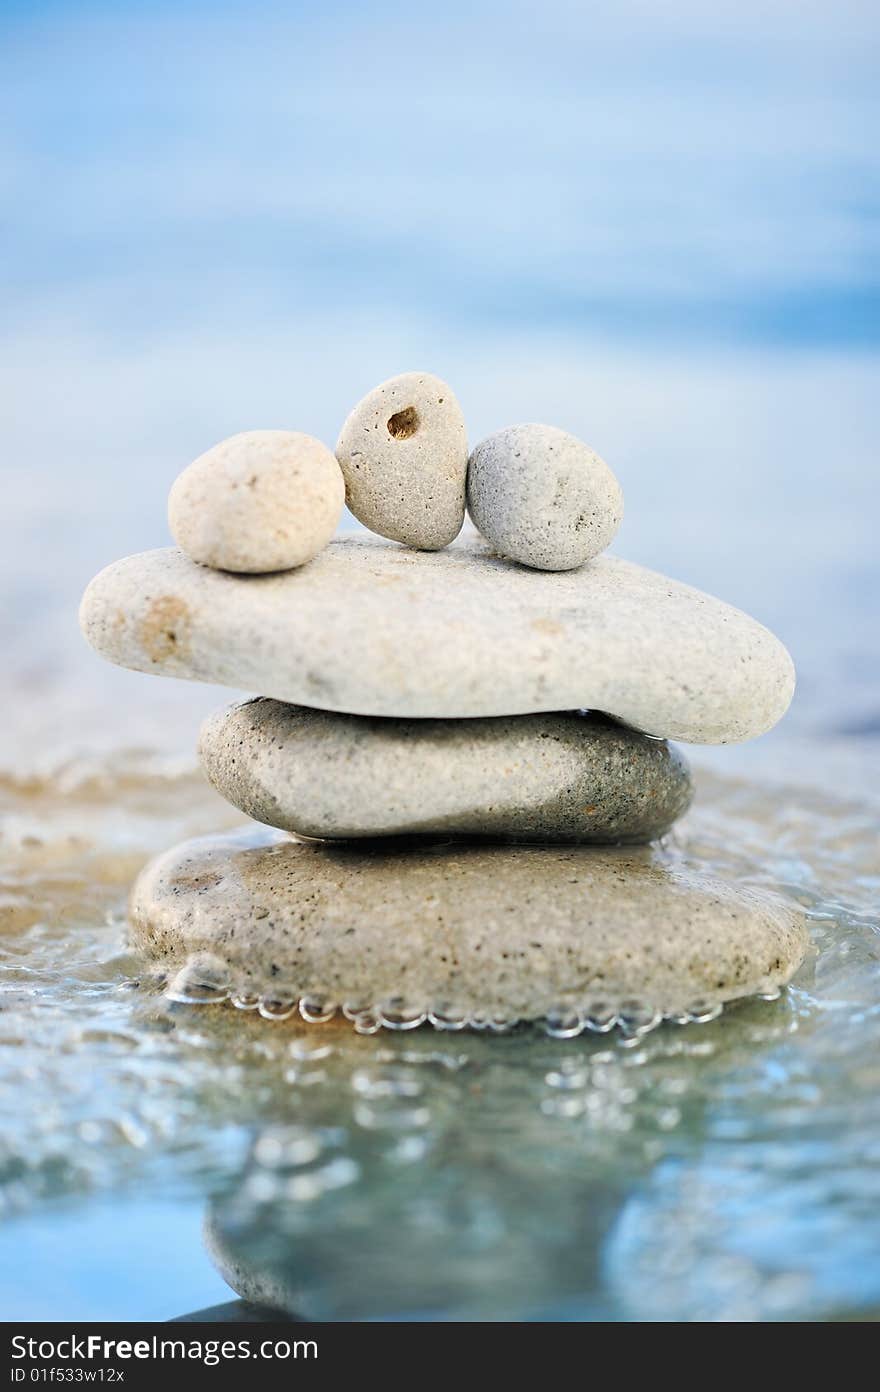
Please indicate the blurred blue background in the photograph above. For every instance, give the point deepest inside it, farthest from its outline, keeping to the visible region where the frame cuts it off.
(656, 226)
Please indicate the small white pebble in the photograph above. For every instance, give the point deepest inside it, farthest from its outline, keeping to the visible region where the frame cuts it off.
(543, 497)
(403, 452)
(261, 501)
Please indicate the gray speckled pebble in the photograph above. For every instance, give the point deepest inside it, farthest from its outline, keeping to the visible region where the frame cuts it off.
(562, 778)
(543, 497)
(374, 629)
(513, 932)
(261, 501)
(403, 452)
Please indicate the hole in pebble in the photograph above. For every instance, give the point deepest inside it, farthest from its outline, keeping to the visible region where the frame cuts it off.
(403, 424)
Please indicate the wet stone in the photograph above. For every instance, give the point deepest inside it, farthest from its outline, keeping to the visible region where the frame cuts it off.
(500, 933)
(542, 778)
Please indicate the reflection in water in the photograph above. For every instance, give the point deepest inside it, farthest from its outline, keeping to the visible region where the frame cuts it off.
(472, 1182)
(234, 1312)
(516, 1179)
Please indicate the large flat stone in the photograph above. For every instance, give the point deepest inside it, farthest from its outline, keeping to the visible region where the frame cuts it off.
(508, 932)
(569, 778)
(371, 628)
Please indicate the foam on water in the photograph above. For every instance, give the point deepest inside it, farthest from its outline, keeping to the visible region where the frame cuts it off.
(203, 980)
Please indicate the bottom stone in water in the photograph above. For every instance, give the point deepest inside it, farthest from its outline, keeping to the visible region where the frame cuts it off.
(505, 933)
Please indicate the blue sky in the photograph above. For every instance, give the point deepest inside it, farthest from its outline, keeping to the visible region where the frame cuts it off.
(687, 171)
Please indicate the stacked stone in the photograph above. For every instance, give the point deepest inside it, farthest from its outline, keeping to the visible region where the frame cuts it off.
(501, 698)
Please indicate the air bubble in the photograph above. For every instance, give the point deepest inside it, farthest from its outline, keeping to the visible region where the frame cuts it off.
(243, 1000)
(397, 1015)
(352, 1009)
(701, 1012)
(447, 1017)
(367, 1023)
(201, 981)
(317, 1011)
(600, 1017)
(563, 1023)
(678, 1017)
(638, 1017)
(272, 1009)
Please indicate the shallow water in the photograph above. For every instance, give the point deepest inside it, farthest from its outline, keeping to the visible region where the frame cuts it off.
(723, 1170)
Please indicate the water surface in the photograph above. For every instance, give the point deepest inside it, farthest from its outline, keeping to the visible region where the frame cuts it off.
(397, 1174)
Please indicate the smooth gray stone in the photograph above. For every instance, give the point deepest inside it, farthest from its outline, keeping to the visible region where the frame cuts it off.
(562, 778)
(371, 628)
(508, 932)
(543, 497)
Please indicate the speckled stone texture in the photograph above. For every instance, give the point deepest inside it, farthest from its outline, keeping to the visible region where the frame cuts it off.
(542, 497)
(403, 452)
(371, 628)
(261, 501)
(514, 932)
(543, 778)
